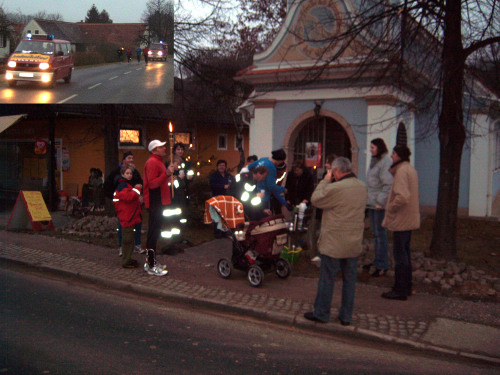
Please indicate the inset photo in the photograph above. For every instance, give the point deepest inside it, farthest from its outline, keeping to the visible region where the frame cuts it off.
(107, 53)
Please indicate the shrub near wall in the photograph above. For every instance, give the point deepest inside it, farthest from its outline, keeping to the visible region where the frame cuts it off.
(103, 53)
(88, 58)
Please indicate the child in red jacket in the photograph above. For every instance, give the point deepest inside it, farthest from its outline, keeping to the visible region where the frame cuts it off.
(128, 209)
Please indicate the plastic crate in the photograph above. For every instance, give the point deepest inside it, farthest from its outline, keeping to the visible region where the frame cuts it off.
(292, 255)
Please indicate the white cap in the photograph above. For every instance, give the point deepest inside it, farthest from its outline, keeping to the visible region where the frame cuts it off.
(155, 143)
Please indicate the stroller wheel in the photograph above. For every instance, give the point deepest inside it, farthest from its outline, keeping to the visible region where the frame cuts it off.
(283, 268)
(225, 268)
(255, 276)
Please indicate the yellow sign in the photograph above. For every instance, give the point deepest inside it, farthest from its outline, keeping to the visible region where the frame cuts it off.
(29, 57)
(36, 206)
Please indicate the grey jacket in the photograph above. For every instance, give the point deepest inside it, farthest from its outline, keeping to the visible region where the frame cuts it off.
(379, 181)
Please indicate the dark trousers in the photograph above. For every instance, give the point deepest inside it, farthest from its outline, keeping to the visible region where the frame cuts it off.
(127, 244)
(402, 260)
(330, 267)
(154, 225)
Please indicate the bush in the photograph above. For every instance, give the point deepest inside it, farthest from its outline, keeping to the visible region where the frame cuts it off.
(88, 58)
(199, 192)
(103, 53)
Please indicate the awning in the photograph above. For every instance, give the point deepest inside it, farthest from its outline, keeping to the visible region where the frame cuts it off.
(6, 121)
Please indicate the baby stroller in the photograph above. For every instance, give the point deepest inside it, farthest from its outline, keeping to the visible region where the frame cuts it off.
(257, 245)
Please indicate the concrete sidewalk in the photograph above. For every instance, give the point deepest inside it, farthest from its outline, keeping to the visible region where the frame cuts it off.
(440, 324)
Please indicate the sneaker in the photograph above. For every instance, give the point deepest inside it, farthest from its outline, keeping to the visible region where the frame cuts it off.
(160, 266)
(155, 271)
(120, 252)
(137, 249)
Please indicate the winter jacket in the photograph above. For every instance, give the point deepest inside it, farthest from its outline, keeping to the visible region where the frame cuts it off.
(114, 176)
(402, 209)
(269, 184)
(155, 176)
(379, 181)
(218, 181)
(342, 224)
(127, 204)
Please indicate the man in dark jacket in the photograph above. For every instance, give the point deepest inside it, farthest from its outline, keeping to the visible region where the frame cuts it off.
(109, 188)
(299, 184)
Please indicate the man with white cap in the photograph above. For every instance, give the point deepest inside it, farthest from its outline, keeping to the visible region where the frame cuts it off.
(156, 196)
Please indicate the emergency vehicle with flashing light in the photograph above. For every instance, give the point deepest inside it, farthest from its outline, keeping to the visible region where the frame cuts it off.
(158, 51)
(40, 58)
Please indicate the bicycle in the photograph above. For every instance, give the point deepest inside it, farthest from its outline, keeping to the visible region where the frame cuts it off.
(74, 208)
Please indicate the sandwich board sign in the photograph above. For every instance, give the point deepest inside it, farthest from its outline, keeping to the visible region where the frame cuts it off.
(30, 212)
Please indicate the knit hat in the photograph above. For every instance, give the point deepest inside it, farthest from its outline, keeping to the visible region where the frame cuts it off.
(279, 154)
(127, 153)
(403, 152)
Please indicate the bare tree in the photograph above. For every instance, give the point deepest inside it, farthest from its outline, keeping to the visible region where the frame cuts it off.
(159, 16)
(213, 93)
(21, 18)
(6, 24)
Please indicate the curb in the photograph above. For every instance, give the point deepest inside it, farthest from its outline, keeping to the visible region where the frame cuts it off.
(264, 314)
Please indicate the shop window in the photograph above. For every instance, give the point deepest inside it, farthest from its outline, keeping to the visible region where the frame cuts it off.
(131, 137)
(184, 138)
(222, 142)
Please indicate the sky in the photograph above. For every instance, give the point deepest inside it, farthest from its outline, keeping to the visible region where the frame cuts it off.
(120, 11)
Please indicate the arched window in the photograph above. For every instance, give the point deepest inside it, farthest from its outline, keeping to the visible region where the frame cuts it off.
(401, 136)
(325, 131)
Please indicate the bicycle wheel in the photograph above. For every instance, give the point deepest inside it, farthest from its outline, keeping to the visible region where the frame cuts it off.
(69, 207)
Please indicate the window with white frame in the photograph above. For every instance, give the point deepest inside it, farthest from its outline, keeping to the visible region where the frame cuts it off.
(131, 136)
(222, 142)
(236, 142)
(497, 146)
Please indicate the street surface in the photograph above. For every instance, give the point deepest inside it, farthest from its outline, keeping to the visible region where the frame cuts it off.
(52, 325)
(111, 83)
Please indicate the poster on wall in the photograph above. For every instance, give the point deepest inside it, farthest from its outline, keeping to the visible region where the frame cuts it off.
(40, 146)
(313, 154)
(65, 159)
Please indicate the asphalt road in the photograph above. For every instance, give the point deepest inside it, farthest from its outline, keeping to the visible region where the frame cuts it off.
(111, 83)
(62, 326)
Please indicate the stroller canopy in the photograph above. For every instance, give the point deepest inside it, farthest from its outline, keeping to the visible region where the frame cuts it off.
(227, 207)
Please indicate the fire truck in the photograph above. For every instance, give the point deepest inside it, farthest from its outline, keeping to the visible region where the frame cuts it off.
(40, 58)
